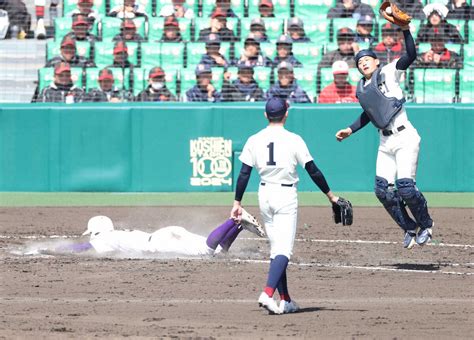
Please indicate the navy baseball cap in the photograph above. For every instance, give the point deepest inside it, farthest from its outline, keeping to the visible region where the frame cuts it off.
(364, 53)
(203, 68)
(276, 107)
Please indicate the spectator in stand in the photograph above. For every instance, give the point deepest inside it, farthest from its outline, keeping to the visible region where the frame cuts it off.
(413, 7)
(364, 28)
(129, 9)
(390, 48)
(62, 89)
(171, 30)
(18, 16)
(436, 24)
(156, 90)
(121, 55)
(84, 7)
(218, 25)
(203, 91)
(287, 87)
(128, 32)
(347, 49)
(339, 91)
(107, 92)
(460, 9)
(68, 55)
(252, 55)
(265, 8)
(213, 57)
(350, 9)
(284, 46)
(80, 30)
(296, 31)
(177, 9)
(224, 6)
(243, 89)
(257, 28)
(439, 56)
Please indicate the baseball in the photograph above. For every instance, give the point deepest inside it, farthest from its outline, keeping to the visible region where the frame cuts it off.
(388, 10)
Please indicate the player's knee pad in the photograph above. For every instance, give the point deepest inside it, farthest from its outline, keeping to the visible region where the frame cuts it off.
(415, 201)
(407, 190)
(392, 202)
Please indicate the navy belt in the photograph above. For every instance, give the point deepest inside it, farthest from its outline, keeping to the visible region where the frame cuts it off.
(390, 132)
(283, 185)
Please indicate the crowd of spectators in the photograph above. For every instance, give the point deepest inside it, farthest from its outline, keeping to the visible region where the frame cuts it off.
(243, 54)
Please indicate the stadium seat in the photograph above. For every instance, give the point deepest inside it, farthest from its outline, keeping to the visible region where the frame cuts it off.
(188, 79)
(192, 4)
(325, 77)
(111, 27)
(309, 54)
(470, 32)
(317, 29)
(466, 86)
(469, 56)
(46, 77)
(155, 31)
(71, 5)
(262, 76)
(195, 50)
(170, 54)
(461, 26)
(307, 9)
(306, 78)
(236, 5)
(274, 27)
(83, 49)
(63, 26)
(434, 86)
(281, 9)
(104, 53)
(415, 26)
(146, 3)
(202, 23)
(268, 49)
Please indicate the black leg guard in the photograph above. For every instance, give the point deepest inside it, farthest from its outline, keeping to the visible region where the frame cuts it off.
(393, 203)
(415, 201)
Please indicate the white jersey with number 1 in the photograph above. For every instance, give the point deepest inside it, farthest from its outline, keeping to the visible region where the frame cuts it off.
(275, 153)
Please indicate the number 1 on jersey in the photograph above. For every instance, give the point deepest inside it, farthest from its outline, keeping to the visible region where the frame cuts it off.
(270, 154)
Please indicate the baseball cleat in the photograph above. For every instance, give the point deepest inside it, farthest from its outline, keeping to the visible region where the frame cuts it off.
(250, 223)
(289, 307)
(409, 239)
(424, 236)
(269, 304)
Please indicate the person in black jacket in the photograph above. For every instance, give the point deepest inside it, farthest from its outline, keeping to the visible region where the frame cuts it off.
(68, 55)
(171, 30)
(460, 9)
(107, 92)
(80, 30)
(213, 57)
(17, 15)
(62, 89)
(244, 88)
(128, 32)
(218, 26)
(437, 24)
(350, 9)
(156, 91)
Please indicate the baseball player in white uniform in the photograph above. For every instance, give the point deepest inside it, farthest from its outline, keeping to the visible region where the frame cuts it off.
(381, 97)
(104, 238)
(275, 153)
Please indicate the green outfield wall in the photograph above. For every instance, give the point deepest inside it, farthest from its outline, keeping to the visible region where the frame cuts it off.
(186, 147)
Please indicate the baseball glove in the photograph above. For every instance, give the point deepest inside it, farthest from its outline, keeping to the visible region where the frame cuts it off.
(395, 15)
(250, 223)
(342, 211)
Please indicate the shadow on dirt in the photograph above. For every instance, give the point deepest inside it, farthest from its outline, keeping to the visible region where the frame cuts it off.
(324, 309)
(415, 266)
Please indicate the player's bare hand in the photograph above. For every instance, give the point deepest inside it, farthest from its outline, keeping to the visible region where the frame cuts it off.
(343, 134)
(236, 212)
(331, 197)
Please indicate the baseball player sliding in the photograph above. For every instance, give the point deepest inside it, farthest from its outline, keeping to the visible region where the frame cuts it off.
(382, 99)
(104, 238)
(275, 153)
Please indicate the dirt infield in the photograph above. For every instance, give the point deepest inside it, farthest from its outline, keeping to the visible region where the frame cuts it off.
(351, 282)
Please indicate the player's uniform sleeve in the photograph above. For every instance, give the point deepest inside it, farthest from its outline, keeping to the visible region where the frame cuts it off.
(409, 57)
(302, 154)
(247, 157)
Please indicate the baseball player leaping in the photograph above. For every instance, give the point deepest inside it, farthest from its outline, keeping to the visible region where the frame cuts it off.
(382, 99)
(275, 153)
(104, 238)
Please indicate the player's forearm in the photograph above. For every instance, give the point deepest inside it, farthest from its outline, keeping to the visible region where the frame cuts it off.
(410, 56)
(317, 177)
(242, 181)
(360, 122)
